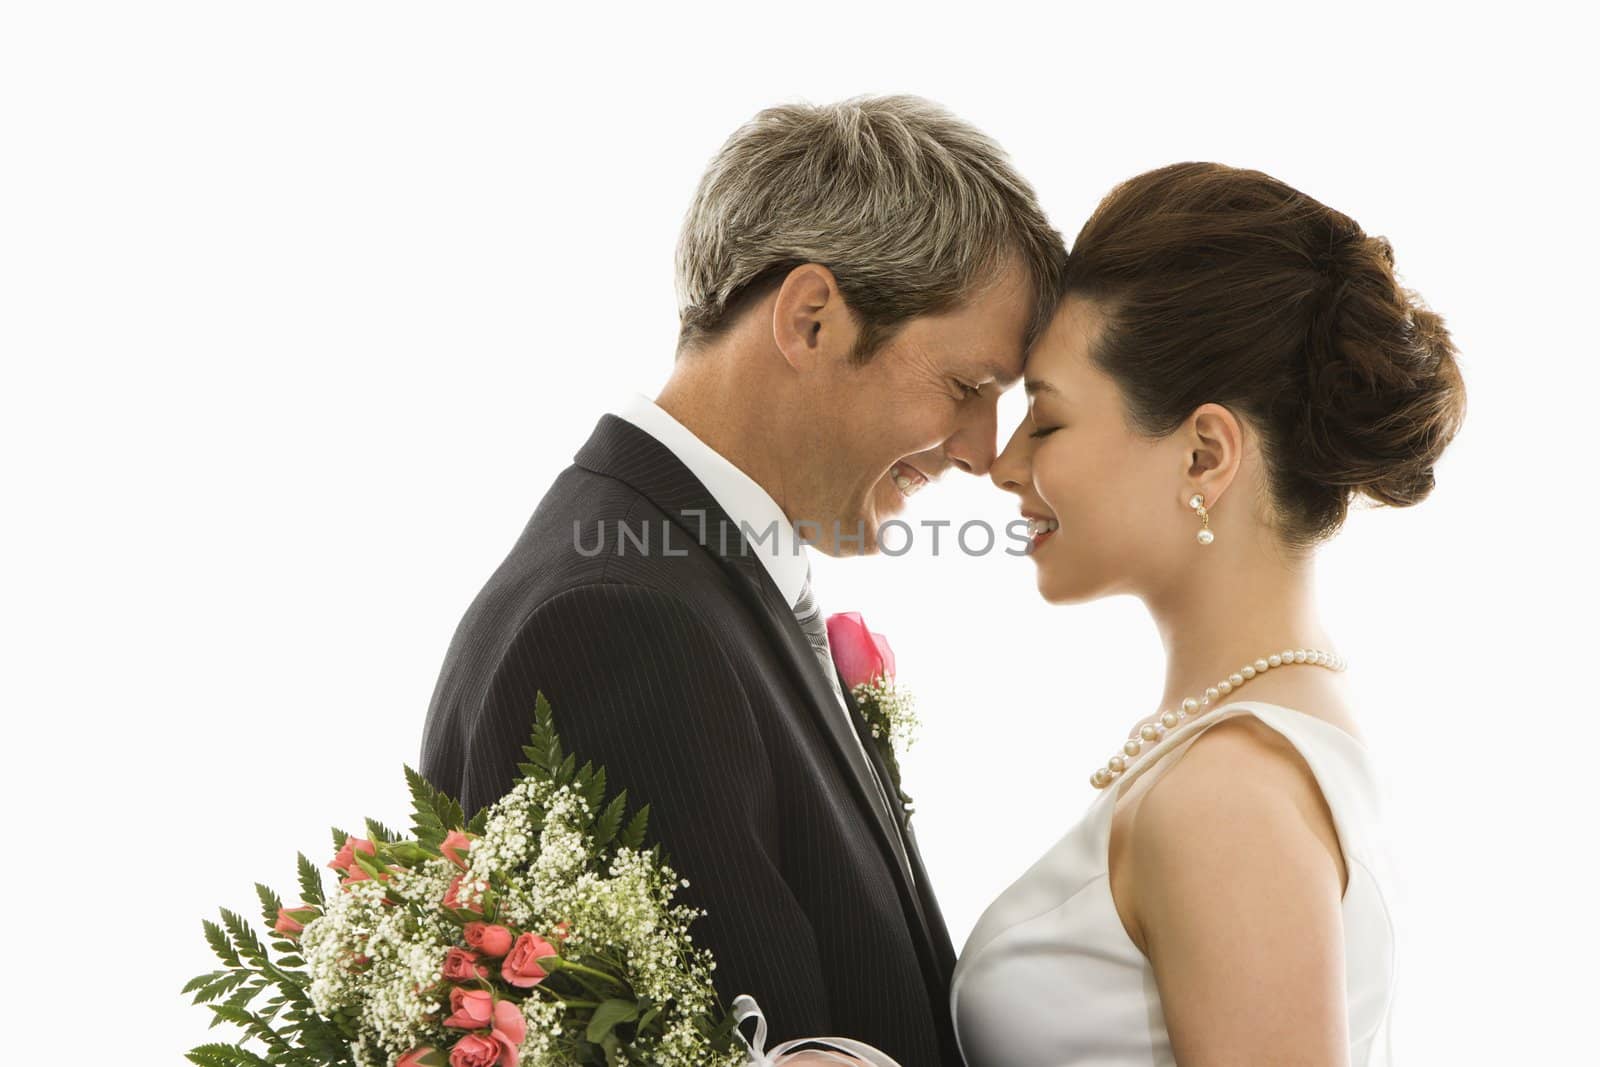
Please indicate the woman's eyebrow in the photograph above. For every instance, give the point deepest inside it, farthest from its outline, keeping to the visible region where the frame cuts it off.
(1035, 386)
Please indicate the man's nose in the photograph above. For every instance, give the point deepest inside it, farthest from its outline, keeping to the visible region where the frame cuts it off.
(972, 448)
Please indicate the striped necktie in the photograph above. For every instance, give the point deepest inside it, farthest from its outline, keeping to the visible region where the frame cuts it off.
(808, 613)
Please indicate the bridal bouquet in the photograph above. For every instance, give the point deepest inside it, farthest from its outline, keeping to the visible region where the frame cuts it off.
(540, 932)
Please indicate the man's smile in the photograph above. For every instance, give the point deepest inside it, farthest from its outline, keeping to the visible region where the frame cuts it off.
(907, 478)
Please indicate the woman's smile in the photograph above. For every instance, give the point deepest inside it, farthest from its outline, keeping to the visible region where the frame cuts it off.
(1040, 529)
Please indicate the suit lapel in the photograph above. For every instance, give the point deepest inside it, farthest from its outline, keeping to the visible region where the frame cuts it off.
(620, 450)
(944, 958)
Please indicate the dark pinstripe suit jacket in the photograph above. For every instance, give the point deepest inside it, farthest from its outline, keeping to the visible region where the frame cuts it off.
(681, 670)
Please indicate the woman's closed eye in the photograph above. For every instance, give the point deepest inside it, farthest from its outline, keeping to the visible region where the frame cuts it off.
(1044, 431)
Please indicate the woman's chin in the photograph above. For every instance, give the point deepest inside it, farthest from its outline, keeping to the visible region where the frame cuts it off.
(1051, 593)
(1057, 585)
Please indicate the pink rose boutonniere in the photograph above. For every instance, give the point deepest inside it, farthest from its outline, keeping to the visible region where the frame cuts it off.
(866, 664)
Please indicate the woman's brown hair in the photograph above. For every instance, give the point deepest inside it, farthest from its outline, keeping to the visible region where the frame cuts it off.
(1228, 286)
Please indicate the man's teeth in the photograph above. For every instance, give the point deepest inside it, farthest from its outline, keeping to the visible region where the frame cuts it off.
(1040, 526)
(906, 480)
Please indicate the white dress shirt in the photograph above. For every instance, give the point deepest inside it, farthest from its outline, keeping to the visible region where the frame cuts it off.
(746, 503)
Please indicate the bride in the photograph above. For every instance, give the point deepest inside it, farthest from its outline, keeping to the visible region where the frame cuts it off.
(1232, 364)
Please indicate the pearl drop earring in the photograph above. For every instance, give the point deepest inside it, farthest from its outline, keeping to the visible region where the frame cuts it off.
(1204, 535)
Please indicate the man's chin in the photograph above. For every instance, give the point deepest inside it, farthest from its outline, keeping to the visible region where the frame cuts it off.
(858, 535)
(850, 537)
(853, 536)
(886, 504)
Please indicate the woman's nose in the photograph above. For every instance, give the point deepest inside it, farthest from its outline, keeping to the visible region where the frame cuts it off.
(1010, 468)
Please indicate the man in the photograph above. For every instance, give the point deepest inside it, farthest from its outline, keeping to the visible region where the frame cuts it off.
(857, 284)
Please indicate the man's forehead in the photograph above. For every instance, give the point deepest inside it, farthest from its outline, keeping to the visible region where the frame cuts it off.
(1005, 375)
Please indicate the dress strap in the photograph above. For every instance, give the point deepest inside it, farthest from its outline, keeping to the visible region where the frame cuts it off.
(1342, 765)
(1176, 740)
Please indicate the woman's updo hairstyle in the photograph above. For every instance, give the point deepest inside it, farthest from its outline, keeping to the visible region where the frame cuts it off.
(1228, 286)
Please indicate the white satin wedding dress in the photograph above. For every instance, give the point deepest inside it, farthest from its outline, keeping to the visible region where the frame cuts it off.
(1050, 978)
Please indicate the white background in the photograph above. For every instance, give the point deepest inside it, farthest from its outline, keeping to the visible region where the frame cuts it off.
(303, 305)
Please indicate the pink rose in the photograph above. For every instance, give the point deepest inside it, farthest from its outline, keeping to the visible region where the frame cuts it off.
(454, 899)
(475, 1050)
(490, 941)
(463, 966)
(470, 1009)
(422, 1057)
(346, 858)
(861, 655)
(476, 1009)
(521, 968)
(292, 920)
(358, 873)
(509, 1024)
(510, 1054)
(454, 848)
(346, 861)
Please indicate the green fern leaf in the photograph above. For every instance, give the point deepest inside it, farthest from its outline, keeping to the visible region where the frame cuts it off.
(270, 904)
(245, 941)
(594, 789)
(605, 828)
(434, 814)
(245, 994)
(638, 826)
(219, 944)
(229, 981)
(199, 980)
(544, 747)
(379, 832)
(310, 881)
(219, 1055)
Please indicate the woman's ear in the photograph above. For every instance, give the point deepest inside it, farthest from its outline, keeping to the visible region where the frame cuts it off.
(1214, 443)
(810, 323)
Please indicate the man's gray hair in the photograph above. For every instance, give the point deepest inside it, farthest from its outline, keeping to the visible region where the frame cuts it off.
(911, 208)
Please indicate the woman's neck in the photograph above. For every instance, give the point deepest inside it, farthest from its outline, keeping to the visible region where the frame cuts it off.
(1223, 617)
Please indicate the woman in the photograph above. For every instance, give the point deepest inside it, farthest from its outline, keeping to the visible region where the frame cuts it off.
(1232, 364)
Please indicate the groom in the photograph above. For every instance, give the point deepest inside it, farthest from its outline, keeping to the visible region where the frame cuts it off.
(857, 284)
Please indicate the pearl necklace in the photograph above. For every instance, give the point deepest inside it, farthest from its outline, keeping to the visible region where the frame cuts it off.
(1193, 709)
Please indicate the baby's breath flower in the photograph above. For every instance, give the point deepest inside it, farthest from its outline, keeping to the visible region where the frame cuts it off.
(374, 956)
(890, 712)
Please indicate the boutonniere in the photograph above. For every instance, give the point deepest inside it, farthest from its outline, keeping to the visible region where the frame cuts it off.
(866, 663)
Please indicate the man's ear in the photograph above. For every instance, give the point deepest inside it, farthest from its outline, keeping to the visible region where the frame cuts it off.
(810, 323)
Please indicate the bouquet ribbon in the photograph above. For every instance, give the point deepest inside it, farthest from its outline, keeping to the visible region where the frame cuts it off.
(745, 1008)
